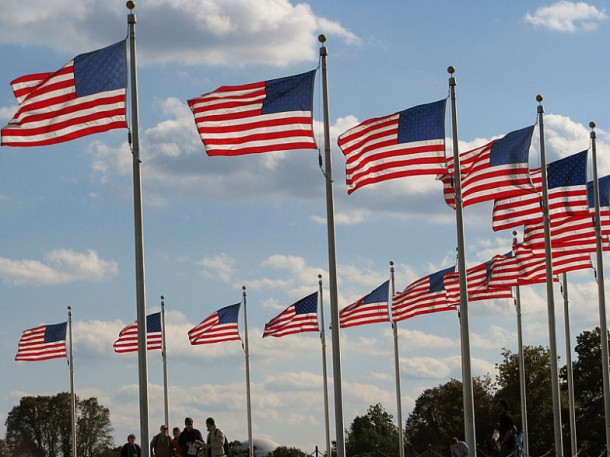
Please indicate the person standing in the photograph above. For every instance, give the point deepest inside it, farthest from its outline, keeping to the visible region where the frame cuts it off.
(161, 444)
(506, 429)
(176, 441)
(190, 439)
(130, 448)
(458, 448)
(216, 439)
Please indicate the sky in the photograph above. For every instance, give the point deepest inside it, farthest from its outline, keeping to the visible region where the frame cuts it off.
(215, 224)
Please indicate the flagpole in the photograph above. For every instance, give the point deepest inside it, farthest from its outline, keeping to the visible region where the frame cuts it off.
(72, 392)
(401, 443)
(469, 424)
(164, 356)
(522, 390)
(332, 261)
(603, 328)
(139, 237)
(569, 371)
(247, 355)
(550, 297)
(324, 372)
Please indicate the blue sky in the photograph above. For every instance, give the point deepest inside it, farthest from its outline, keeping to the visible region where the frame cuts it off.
(212, 225)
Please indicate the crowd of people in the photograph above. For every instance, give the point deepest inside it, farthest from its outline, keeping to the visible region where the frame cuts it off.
(188, 442)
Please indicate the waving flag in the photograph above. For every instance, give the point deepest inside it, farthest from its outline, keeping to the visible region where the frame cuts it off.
(266, 116)
(369, 309)
(478, 285)
(42, 343)
(426, 295)
(128, 338)
(86, 96)
(407, 143)
(567, 195)
(299, 317)
(497, 170)
(220, 326)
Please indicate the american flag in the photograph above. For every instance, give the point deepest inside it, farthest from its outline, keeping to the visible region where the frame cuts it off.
(498, 169)
(220, 326)
(504, 271)
(370, 309)
(128, 338)
(42, 343)
(299, 317)
(86, 96)
(532, 263)
(567, 195)
(477, 285)
(407, 143)
(426, 295)
(266, 116)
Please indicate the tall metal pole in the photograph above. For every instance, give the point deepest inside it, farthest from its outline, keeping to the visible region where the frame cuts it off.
(469, 423)
(569, 370)
(522, 390)
(164, 356)
(324, 373)
(139, 237)
(72, 392)
(401, 438)
(550, 297)
(332, 261)
(247, 355)
(603, 328)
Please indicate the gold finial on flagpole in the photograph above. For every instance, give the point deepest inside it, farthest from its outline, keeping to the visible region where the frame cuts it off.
(451, 69)
(130, 4)
(539, 98)
(322, 38)
(592, 124)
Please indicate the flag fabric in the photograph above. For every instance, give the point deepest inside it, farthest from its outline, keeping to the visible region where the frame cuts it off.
(370, 309)
(532, 263)
(86, 96)
(42, 343)
(424, 296)
(128, 338)
(302, 316)
(496, 170)
(220, 326)
(477, 285)
(407, 143)
(274, 115)
(567, 195)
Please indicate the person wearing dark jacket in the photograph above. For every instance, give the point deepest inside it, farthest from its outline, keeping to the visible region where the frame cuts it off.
(130, 448)
(190, 439)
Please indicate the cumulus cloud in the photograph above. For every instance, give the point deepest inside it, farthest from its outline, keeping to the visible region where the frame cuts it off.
(210, 32)
(60, 266)
(565, 16)
(219, 267)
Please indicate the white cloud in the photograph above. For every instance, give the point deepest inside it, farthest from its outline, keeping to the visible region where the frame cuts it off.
(210, 32)
(565, 16)
(219, 267)
(60, 266)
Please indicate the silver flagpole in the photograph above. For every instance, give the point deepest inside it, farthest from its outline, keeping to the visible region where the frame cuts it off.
(247, 354)
(164, 356)
(139, 237)
(522, 390)
(332, 261)
(469, 424)
(72, 393)
(401, 442)
(603, 328)
(324, 373)
(570, 373)
(550, 297)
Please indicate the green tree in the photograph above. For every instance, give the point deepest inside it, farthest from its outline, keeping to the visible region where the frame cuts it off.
(372, 434)
(588, 392)
(537, 362)
(41, 427)
(438, 416)
(284, 451)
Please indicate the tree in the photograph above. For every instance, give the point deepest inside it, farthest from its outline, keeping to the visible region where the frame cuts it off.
(41, 427)
(372, 434)
(284, 451)
(438, 416)
(588, 392)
